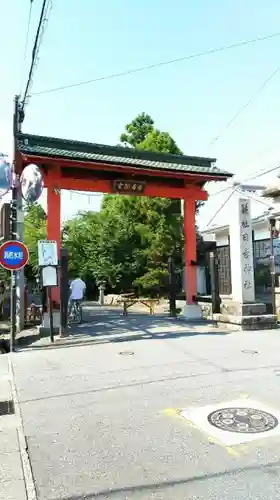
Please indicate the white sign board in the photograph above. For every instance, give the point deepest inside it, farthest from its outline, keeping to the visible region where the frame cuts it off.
(241, 253)
(49, 276)
(47, 253)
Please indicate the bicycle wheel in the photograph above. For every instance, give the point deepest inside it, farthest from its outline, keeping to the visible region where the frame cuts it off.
(78, 313)
(72, 315)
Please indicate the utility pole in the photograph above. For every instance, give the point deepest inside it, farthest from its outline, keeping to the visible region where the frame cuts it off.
(18, 118)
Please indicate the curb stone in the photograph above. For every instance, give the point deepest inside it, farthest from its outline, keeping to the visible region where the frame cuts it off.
(26, 466)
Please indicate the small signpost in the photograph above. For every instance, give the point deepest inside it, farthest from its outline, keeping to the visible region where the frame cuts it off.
(48, 261)
(14, 255)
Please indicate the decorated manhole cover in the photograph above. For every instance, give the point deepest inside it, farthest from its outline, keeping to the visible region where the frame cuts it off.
(246, 420)
(126, 353)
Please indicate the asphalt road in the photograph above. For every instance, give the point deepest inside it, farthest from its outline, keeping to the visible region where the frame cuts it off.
(104, 425)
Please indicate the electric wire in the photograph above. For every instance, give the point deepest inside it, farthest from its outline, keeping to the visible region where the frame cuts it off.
(254, 198)
(34, 53)
(260, 174)
(237, 189)
(26, 42)
(252, 177)
(158, 64)
(221, 207)
(245, 106)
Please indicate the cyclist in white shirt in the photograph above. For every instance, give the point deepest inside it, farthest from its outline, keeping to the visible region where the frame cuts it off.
(77, 288)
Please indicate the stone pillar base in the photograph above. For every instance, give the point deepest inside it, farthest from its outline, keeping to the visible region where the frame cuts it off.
(236, 308)
(246, 316)
(44, 328)
(192, 311)
(261, 322)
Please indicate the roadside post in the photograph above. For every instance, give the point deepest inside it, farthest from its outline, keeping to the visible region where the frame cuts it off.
(14, 255)
(48, 262)
(64, 291)
(172, 287)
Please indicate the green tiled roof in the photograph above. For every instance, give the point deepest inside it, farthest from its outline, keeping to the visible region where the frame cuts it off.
(116, 155)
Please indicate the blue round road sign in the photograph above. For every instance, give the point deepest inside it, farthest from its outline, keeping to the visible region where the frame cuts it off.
(14, 255)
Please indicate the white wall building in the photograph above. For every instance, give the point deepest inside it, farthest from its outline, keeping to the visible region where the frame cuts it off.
(220, 234)
(261, 249)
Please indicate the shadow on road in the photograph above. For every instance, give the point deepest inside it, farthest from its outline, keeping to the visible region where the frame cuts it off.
(99, 323)
(109, 325)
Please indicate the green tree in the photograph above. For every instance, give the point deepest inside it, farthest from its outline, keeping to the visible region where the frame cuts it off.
(81, 237)
(139, 233)
(137, 130)
(159, 142)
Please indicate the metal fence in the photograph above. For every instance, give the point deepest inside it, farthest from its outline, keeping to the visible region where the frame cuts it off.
(262, 256)
(224, 270)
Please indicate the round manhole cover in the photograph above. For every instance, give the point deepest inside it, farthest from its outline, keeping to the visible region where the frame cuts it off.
(246, 420)
(126, 353)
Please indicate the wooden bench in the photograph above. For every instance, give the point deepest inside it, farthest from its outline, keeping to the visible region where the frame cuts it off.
(129, 302)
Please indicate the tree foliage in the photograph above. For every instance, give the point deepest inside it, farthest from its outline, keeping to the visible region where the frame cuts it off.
(137, 131)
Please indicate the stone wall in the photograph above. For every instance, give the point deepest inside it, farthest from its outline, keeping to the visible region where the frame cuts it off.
(206, 308)
(230, 307)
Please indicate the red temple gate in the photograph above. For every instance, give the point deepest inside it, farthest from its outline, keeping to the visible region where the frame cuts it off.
(84, 166)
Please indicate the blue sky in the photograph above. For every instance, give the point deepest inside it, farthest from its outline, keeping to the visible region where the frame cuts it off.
(193, 100)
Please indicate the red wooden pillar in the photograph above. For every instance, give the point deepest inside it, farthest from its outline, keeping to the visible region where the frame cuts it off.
(53, 227)
(192, 310)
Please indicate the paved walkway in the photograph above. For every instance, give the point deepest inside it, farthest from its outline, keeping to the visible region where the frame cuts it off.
(14, 481)
(107, 324)
(106, 420)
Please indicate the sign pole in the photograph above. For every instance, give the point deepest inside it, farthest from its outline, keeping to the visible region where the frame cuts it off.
(48, 261)
(13, 311)
(14, 256)
(49, 293)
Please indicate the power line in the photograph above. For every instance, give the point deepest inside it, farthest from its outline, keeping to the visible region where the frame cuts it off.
(252, 177)
(221, 191)
(260, 174)
(254, 198)
(245, 106)
(158, 64)
(221, 207)
(26, 39)
(34, 52)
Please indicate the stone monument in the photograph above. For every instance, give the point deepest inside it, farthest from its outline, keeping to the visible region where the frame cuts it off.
(242, 309)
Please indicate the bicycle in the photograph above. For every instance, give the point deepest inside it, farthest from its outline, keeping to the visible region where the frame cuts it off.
(75, 312)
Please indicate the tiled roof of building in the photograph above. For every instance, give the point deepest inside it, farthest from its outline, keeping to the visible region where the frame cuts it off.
(35, 145)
